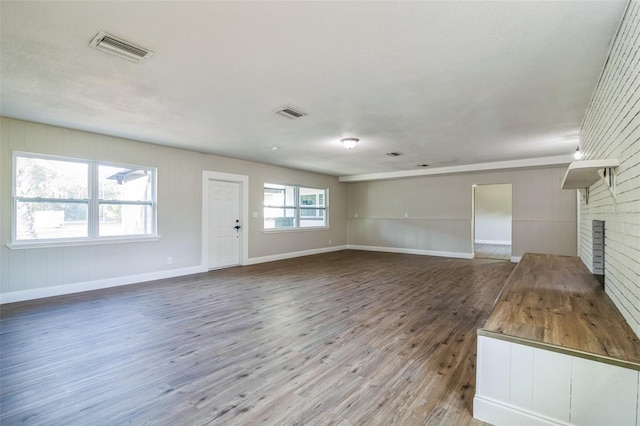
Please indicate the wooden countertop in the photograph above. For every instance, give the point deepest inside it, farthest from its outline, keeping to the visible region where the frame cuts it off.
(554, 302)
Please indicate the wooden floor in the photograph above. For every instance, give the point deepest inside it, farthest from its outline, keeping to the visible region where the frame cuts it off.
(492, 251)
(342, 338)
(555, 300)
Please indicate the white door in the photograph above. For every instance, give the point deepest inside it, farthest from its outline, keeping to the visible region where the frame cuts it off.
(224, 224)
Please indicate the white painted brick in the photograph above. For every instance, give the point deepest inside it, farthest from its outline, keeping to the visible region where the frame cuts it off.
(610, 130)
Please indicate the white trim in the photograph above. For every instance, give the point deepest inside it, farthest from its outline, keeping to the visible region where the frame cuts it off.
(306, 228)
(58, 243)
(93, 201)
(498, 413)
(497, 165)
(495, 242)
(515, 259)
(291, 255)
(458, 255)
(244, 213)
(38, 293)
(578, 218)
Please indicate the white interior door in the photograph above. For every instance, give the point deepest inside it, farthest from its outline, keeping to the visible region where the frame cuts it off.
(224, 224)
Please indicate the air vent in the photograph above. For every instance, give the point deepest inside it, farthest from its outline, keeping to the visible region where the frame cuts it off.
(119, 47)
(394, 154)
(290, 113)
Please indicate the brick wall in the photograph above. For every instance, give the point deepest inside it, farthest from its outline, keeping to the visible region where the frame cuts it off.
(611, 129)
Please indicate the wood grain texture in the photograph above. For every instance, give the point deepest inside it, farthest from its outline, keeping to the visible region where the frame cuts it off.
(340, 338)
(555, 300)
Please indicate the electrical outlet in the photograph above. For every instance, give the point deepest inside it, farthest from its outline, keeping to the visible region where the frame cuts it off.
(169, 260)
(329, 242)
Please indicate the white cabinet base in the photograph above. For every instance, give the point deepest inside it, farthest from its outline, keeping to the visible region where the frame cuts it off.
(524, 385)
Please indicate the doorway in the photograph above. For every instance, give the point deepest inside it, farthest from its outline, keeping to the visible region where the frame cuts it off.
(492, 221)
(224, 214)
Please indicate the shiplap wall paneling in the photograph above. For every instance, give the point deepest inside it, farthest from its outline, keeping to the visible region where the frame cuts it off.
(519, 384)
(611, 129)
(494, 368)
(602, 394)
(551, 384)
(438, 212)
(38, 272)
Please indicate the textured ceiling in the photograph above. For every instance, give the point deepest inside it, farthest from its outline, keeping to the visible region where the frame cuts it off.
(444, 83)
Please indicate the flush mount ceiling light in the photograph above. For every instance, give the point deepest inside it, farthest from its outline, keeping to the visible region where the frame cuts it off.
(349, 142)
(577, 155)
(116, 46)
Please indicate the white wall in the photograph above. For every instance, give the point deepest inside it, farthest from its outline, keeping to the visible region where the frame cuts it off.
(179, 211)
(611, 129)
(433, 213)
(493, 214)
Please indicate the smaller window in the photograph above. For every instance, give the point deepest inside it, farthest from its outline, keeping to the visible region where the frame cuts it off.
(291, 206)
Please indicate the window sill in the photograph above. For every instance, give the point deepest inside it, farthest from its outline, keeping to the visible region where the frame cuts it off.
(51, 244)
(280, 230)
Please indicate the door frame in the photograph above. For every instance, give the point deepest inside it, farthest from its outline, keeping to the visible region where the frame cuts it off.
(474, 188)
(244, 213)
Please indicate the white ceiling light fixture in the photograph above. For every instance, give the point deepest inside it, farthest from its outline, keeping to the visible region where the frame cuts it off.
(116, 46)
(349, 143)
(577, 155)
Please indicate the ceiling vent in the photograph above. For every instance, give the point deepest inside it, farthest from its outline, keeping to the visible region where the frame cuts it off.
(119, 47)
(290, 113)
(394, 154)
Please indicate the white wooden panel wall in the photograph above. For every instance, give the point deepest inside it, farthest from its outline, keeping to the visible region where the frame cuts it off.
(518, 384)
(611, 129)
(179, 213)
(433, 213)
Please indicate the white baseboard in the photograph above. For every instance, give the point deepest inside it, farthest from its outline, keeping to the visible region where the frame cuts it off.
(38, 293)
(458, 255)
(515, 259)
(59, 290)
(498, 413)
(495, 242)
(291, 255)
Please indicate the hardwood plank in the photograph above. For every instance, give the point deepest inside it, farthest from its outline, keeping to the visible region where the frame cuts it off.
(556, 301)
(341, 338)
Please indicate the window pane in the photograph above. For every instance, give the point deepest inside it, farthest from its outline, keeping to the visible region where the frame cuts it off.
(118, 183)
(39, 177)
(275, 218)
(116, 219)
(312, 217)
(312, 197)
(279, 195)
(36, 221)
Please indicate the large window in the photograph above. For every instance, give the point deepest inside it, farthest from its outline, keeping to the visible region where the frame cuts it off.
(65, 199)
(292, 206)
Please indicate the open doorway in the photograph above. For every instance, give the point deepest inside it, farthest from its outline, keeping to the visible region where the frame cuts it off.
(492, 221)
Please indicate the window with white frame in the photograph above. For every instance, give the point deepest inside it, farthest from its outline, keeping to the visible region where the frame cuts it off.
(294, 206)
(69, 199)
